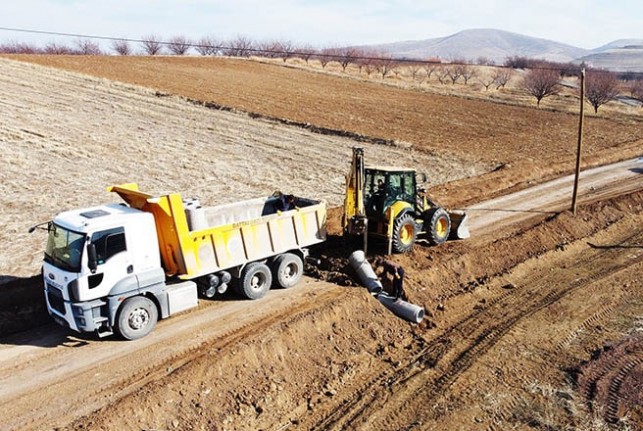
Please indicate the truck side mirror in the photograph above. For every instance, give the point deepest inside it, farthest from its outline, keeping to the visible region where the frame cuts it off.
(92, 260)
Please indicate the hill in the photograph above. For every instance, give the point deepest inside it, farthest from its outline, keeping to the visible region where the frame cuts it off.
(623, 55)
(495, 45)
(620, 43)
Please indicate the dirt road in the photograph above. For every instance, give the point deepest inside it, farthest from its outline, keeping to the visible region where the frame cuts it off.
(50, 378)
(594, 184)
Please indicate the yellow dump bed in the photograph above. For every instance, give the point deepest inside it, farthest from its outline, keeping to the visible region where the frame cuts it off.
(195, 241)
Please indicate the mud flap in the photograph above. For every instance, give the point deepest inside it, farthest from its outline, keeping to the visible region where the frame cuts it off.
(459, 228)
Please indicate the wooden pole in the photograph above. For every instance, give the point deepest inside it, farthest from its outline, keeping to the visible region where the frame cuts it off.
(580, 138)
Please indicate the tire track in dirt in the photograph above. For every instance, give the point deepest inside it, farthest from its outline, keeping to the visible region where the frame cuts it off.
(599, 316)
(603, 266)
(543, 365)
(601, 379)
(157, 366)
(368, 402)
(614, 396)
(574, 285)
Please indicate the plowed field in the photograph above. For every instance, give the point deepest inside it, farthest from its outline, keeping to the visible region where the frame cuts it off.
(536, 322)
(525, 144)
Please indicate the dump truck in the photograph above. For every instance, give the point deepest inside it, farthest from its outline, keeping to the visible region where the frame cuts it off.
(387, 202)
(118, 268)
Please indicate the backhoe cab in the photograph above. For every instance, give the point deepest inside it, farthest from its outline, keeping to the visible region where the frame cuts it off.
(386, 202)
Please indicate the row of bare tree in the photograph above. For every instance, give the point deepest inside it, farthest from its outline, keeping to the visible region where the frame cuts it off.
(541, 80)
(601, 86)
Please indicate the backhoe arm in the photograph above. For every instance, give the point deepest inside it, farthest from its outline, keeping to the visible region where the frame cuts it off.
(354, 220)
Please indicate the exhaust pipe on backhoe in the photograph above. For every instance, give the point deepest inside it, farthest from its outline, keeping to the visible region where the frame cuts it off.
(405, 310)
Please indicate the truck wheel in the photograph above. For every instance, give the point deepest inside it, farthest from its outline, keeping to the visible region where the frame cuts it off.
(136, 318)
(255, 280)
(437, 225)
(287, 270)
(404, 233)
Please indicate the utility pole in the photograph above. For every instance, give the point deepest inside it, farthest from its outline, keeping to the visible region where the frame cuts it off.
(580, 138)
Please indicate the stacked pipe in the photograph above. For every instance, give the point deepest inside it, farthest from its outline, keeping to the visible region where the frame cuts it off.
(405, 310)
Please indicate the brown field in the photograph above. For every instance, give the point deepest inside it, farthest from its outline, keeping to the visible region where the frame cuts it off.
(530, 145)
(533, 324)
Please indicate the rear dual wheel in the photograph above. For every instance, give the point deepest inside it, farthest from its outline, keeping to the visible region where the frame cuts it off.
(287, 270)
(255, 280)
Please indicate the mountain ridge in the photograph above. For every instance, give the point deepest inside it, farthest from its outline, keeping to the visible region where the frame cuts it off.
(497, 45)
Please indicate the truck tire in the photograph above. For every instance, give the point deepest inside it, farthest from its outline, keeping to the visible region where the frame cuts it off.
(287, 270)
(404, 233)
(437, 224)
(255, 280)
(136, 318)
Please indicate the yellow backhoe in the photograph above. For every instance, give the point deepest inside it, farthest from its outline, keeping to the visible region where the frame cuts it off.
(386, 202)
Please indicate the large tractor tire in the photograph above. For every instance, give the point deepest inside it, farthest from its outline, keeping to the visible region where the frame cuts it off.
(136, 318)
(255, 280)
(287, 270)
(437, 225)
(404, 233)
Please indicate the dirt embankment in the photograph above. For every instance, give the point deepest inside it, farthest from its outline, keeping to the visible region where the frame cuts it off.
(507, 317)
(524, 144)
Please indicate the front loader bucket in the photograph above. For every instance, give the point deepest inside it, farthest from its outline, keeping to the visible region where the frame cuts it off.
(459, 228)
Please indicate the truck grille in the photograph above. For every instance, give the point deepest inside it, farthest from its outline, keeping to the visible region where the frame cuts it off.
(55, 298)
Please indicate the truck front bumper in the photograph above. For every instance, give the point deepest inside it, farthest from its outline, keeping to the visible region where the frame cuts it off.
(79, 316)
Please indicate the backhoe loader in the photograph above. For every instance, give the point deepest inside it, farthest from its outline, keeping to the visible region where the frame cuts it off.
(386, 202)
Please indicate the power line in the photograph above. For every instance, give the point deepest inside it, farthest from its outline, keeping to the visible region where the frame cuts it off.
(243, 50)
(230, 48)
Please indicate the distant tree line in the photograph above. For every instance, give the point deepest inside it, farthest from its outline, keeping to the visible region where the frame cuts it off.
(541, 78)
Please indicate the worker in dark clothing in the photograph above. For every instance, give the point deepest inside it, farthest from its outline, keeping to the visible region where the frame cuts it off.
(285, 202)
(375, 204)
(396, 272)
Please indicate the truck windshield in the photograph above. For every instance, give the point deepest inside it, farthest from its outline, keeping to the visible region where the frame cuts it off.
(64, 248)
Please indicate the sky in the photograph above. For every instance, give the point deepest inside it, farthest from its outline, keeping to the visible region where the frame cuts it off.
(320, 23)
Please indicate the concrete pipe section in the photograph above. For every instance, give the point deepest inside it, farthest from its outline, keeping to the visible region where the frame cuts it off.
(405, 310)
(365, 272)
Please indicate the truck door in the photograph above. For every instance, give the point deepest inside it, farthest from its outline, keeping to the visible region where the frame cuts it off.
(114, 263)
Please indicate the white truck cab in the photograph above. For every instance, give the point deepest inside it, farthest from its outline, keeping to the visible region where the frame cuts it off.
(97, 259)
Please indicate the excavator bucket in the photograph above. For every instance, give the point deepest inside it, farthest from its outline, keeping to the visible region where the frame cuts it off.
(459, 228)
